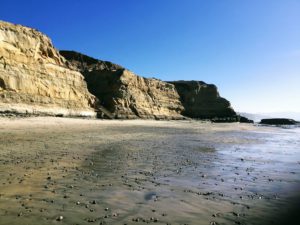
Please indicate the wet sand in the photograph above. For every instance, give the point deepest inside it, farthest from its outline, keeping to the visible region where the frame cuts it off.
(75, 171)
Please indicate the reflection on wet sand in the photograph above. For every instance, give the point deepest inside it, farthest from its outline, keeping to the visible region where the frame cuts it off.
(72, 171)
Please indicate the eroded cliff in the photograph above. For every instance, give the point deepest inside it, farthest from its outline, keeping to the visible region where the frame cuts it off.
(203, 101)
(123, 93)
(35, 78)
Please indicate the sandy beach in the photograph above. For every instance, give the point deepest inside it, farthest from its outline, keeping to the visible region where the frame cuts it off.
(80, 171)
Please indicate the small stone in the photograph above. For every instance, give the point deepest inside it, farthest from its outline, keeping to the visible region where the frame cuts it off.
(235, 214)
(60, 218)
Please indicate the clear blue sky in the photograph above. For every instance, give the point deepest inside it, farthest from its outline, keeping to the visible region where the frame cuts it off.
(249, 48)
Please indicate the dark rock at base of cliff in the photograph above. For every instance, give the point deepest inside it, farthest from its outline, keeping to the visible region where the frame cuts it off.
(231, 119)
(243, 119)
(279, 121)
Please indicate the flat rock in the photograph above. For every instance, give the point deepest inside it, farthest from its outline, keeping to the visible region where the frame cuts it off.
(278, 121)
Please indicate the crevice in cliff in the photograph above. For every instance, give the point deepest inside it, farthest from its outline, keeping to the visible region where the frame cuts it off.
(4, 62)
(2, 84)
(134, 110)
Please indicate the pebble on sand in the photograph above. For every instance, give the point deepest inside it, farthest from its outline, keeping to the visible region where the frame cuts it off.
(59, 218)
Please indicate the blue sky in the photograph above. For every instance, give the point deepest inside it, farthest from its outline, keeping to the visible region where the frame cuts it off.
(250, 49)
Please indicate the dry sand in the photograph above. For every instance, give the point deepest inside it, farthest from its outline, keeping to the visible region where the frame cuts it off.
(76, 171)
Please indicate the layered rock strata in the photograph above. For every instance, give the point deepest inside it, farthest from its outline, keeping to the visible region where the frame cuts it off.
(124, 94)
(35, 78)
(203, 101)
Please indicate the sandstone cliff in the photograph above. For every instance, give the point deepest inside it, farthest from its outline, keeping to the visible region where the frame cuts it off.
(124, 94)
(203, 101)
(34, 77)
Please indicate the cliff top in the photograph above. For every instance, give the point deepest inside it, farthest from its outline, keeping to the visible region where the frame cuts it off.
(28, 41)
(18, 27)
(83, 62)
(192, 83)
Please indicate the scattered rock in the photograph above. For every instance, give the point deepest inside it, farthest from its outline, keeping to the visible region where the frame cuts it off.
(279, 121)
(59, 218)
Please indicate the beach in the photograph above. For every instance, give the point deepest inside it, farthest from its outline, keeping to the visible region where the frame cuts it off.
(86, 171)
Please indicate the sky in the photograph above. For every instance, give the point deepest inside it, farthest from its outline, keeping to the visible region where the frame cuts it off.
(250, 49)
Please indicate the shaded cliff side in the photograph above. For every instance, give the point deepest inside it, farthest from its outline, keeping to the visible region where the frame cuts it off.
(123, 94)
(203, 101)
(35, 79)
(83, 62)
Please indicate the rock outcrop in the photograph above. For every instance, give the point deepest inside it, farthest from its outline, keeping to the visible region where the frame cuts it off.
(278, 121)
(125, 95)
(35, 78)
(244, 119)
(203, 101)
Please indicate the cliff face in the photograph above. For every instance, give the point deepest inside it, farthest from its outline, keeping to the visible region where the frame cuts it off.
(35, 79)
(124, 94)
(202, 100)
